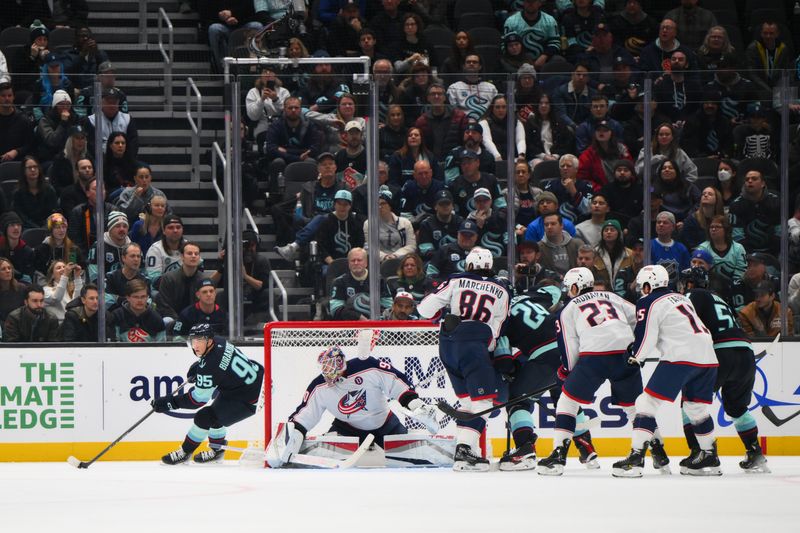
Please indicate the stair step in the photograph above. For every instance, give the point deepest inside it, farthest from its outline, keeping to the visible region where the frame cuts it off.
(168, 137)
(108, 34)
(114, 18)
(132, 6)
(183, 67)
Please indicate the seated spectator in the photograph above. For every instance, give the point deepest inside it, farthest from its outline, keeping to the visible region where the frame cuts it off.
(559, 249)
(64, 170)
(441, 228)
(82, 230)
(767, 56)
(580, 22)
(53, 127)
(414, 92)
(344, 30)
(612, 256)
(63, 284)
(57, 246)
(678, 91)
(736, 91)
(667, 252)
(179, 286)
(333, 123)
(707, 133)
(75, 193)
(624, 193)
(133, 199)
(572, 100)
(634, 134)
(530, 273)
(388, 92)
(295, 77)
(493, 124)
(471, 179)
(525, 197)
(341, 230)
(12, 292)
(31, 322)
(16, 131)
(367, 46)
(360, 196)
(442, 127)
(256, 269)
(350, 292)
(34, 198)
(759, 268)
(547, 203)
(135, 320)
(404, 160)
(149, 226)
(514, 54)
(603, 58)
(527, 92)
(397, 237)
(29, 61)
(756, 137)
(290, 138)
(234, 15)
(491, 223)
(573, 195)
(692, 22)
(165, 254)
(755, 215)
(315, 202)
(627, 275)
(130, 269)
(694, 228)
(586, 258)
(462, 47)
(449, 259)
(264, 102)
(418, 195)
(112, 119)
(680, 196)
(716, 283)
(716, 45)
(80, 319)
(115, 239)
(665, 146)
(351, 160)
(726, 180)
(83, 60)
(590, 230)
(632, 27)
(635, 230)
(204, 311)
(84, 103)
(392, 136)
(411, 278)
(546, 137)
(13, 247)
(762, 317)
(624, 89)
(728, 255)
(539, 31)
(413, 47)
(46, 96)
(119, 165)
(323, 89)
(403, 308)
(584, 133)
(596, 162)
(655, 56)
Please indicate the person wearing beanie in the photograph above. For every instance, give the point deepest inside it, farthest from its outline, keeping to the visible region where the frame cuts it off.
(516, 59)
(612, 256)
(13, 247)
(52, 78)
(55, 117)
(667, 252)
(590, 230)
(396, 234)
(115, 239)
(546, 203)
(624, 192)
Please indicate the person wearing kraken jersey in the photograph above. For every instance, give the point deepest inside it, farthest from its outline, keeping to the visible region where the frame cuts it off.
(165, 255)
(539, 31)
(450, 258)
(441, 228)
(471, 94)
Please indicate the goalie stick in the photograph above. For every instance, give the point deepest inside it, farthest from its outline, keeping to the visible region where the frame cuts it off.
(77, 463)
(309, 460)
(451, 411)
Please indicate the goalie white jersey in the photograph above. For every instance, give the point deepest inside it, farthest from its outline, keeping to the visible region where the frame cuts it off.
(595, 323)
(360, 397)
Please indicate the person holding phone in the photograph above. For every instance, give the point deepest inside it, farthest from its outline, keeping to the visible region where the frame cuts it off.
(264, 102)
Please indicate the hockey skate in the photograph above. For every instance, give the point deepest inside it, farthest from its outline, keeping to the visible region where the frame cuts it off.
(754, 462)
(521, 458)
(631, 466)
(210, 456)
(465, 460)
(588, 455)
(175, 458)
(554, 464)
(704, 463)
(693, 452)
(659, 456)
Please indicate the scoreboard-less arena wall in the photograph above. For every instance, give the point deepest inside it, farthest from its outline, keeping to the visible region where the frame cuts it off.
(62, 401)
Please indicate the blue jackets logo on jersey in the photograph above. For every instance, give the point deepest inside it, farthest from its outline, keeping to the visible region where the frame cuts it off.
(353, 402)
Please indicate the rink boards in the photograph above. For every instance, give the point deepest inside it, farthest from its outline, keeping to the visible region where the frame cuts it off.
(61, 401)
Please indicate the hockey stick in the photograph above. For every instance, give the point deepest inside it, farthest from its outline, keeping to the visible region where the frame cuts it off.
(74, 461)
(451, 411)
(309, 460)
(770, 415)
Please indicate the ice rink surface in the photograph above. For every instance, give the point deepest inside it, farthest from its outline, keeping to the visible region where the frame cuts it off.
(149, 497)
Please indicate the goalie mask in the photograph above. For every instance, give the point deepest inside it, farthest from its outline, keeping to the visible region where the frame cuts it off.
(332, 364)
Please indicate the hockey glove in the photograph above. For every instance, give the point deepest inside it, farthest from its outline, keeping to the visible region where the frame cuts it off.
(164, 404)
(191, 375)
(506, 367)
(424, 414)
(562, 373)
(635, 362)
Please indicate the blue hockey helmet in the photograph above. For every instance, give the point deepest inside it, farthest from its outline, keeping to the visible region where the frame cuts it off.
(697, 275)
(201, 330)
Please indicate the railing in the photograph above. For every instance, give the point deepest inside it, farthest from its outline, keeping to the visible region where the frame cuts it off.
(142, 21)
(273, 279)
(218, 156)
(167, 54)
(197, 127)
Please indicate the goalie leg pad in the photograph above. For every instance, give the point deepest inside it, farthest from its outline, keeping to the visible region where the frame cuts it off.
(286, 443)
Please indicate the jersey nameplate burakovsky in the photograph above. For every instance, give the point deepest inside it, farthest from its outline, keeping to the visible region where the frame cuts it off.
(226, 357)
(487, 286)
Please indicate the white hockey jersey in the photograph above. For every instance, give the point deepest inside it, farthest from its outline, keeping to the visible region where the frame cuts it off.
(158, 262)
(595, 323)
(360, 398)
(667, 325)
(471, 297)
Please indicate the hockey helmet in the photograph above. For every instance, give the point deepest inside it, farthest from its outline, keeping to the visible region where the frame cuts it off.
(655, 276)
(479, 259)
(200, 331)
(580, 276)
(333, 364)
(697, 275)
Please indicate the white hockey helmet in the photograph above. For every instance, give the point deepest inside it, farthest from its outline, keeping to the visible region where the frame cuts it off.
(580, 276)
(654, 275)
(479, 259)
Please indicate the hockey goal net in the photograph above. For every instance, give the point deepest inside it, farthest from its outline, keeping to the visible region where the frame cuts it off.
(291, 350)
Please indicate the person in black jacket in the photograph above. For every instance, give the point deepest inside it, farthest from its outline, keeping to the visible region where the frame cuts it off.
(341, 231)
(80, 320)
(135, 320)
(31, 322)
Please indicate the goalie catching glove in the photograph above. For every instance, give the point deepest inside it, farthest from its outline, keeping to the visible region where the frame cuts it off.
(285, 444)
(424, 414)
